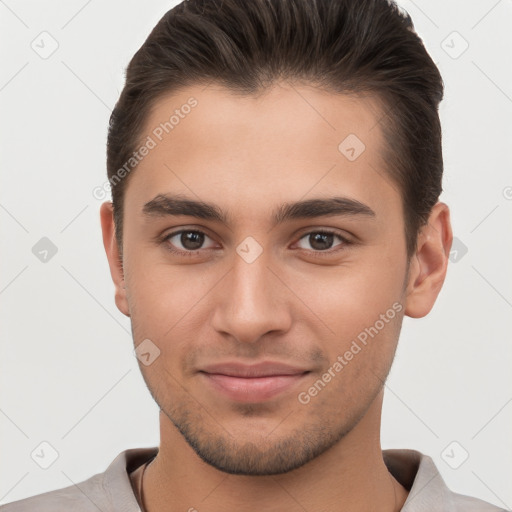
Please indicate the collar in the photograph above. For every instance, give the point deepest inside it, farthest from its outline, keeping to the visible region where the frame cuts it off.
(414, 470)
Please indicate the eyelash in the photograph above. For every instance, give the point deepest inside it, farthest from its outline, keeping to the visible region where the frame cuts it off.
(328, 252)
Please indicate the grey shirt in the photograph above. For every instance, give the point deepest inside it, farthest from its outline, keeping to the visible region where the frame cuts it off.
(113, 490)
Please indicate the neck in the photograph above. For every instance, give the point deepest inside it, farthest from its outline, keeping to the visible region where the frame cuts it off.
(351, 476)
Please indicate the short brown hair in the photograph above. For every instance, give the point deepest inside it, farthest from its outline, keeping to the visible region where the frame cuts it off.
(343, 46)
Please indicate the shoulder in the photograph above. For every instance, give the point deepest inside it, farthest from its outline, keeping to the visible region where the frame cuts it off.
(107, 491)
(428, 491)
(463, 503)
(78, 498)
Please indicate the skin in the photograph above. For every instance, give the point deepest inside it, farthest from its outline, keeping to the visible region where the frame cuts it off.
(248, 155)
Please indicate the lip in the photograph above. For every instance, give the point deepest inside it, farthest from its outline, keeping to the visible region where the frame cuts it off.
(262, 369)
(252, 383)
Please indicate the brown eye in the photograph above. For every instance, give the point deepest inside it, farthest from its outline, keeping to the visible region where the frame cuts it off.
(321, 240)
(187, 241)
(191, 240)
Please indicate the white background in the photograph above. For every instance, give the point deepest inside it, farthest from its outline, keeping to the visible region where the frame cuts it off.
(67, 370)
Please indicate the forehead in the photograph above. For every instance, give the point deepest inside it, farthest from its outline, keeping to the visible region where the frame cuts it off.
(243, 152)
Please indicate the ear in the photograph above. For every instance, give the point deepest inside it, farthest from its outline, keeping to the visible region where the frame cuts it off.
(114, 259)
(428, 265)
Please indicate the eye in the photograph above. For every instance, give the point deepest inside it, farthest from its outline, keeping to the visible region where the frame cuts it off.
(190, 242)
(322, 240)
(187, 241)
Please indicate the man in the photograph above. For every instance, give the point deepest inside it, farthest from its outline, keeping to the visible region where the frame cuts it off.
(275, 169)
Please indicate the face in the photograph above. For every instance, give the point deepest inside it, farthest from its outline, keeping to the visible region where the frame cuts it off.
(276, 325)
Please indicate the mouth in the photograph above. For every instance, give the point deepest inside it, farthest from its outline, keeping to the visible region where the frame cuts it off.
(252, 383)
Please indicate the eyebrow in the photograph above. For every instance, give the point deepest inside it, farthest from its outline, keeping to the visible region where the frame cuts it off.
(164, 205)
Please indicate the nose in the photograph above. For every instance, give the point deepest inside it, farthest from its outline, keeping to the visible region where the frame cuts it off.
(252, 301)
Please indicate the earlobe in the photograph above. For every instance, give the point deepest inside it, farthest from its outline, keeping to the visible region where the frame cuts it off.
(428, 266)
(114, 259)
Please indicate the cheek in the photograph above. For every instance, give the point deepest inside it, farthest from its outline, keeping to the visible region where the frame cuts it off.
(354, 376)
(159, 298)
(351, 298)
(362, 307)
(359, 360)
